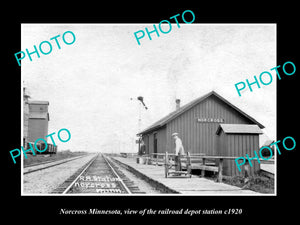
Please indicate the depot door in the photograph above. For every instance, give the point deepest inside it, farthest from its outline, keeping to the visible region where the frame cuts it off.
(155, 143)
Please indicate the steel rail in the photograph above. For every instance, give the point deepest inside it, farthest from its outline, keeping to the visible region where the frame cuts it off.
(88, 165)
(56, 164)
(116, 174)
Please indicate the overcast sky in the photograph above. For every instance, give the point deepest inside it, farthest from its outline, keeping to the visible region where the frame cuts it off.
(90, 83)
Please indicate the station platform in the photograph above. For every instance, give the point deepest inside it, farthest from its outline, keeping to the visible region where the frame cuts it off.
(180, 184)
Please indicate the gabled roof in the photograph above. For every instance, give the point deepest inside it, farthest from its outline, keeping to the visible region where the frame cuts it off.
(239, 129)
(162, 122)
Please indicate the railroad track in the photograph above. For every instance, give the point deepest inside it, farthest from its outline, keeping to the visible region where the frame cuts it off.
(99, 176)
(48, 164)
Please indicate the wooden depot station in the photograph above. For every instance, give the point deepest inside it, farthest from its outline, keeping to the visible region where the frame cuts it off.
(213, 131)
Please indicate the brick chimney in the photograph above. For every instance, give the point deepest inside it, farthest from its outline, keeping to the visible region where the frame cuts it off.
(177, 104)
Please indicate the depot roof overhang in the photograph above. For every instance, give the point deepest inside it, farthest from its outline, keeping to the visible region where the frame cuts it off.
(162, 122)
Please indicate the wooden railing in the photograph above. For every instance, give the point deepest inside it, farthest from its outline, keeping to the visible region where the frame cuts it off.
(184, 160)
(157, 159)
(193, 161)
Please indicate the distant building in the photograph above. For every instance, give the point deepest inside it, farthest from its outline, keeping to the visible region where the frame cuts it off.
(25, 116)
(38, 120)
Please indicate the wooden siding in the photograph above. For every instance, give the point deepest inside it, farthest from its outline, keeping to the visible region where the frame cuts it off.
(237, 145)
(151, 140)
(38, 107)
(38, 128)
(161, 141)
(200, 137)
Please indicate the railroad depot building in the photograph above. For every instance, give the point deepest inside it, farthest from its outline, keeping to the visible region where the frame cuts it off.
(210, 125)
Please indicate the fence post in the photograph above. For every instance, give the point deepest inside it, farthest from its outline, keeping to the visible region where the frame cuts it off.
(203, 171)
(247, 173)
(220, 171)
(166, 164)
(188, 164)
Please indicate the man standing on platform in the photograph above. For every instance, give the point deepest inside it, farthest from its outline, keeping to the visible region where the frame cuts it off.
(179, 150)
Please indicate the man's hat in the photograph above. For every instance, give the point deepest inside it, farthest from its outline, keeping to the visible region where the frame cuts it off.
(174, 134)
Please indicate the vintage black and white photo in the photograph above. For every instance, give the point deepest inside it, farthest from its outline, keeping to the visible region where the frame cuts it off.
(163, 117)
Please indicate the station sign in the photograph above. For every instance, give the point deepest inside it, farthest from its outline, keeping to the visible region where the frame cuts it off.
(210, 120)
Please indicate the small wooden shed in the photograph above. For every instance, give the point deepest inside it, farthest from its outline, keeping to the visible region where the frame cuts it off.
(238, 140)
